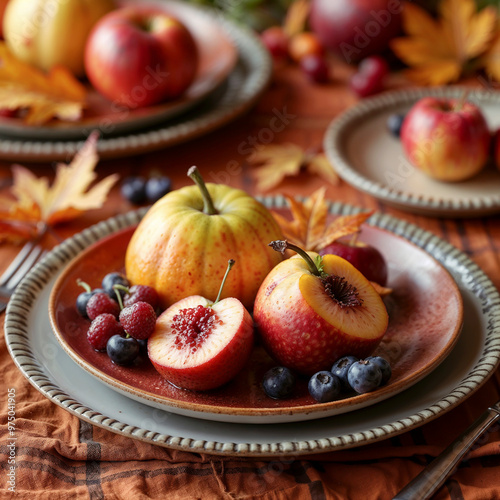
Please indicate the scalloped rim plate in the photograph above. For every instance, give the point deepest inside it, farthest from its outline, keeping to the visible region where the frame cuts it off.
(217, 55)
(44, 363)
(234, 97)
(414, 346)
(380, 169)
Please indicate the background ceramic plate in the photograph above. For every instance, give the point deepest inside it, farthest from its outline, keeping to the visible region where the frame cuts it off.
(368, 157)
(425, 321)
(230, 99)
(218, 56)
(45, 364)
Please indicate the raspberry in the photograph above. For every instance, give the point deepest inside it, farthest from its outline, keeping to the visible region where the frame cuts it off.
(102, 303)
(102, 329)
(138, 320)
(141, 293)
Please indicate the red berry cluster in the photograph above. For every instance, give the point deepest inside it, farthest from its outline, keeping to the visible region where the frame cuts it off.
(303, 48)
(130, 314)
(369, 79)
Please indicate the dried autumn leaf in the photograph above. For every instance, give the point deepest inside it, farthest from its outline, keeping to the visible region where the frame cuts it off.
(438, 49)
(34, 202)
(277, 161)
(296, 17)
(57, 94)
(491, 59)
(309, 227)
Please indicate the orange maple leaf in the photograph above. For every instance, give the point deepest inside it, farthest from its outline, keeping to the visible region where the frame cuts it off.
(438, 49)
(309, 227)
(57, 94)
(33, 203)
(277, 161)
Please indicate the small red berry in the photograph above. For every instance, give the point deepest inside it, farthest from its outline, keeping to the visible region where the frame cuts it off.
(102, 329)
(315, 67)
(102, 303)
(276, 41)
(141, 293)
(138, 320)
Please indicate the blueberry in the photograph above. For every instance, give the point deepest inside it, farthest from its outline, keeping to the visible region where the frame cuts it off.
(143, 344)
(341, 367)
(82, 300)
(279, 382)
(134, 189)
(384, 366)
(157, 187)
(394, 124)
(324, 387)
(112, 279)
(364, 376)
(121, 350)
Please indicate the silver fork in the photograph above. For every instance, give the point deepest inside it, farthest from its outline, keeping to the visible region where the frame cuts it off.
(436, 473)
(27, 257)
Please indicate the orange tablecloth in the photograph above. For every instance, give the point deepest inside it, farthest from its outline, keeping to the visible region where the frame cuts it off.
(59, 456)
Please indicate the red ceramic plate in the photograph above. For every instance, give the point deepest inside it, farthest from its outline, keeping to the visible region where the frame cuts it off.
(425, 311)
(218, 57)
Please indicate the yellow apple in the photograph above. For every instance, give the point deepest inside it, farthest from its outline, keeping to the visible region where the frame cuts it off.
(181, 246)
(47, 33)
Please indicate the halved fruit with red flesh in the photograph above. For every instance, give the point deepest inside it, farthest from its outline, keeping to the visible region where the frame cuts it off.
(200, 346)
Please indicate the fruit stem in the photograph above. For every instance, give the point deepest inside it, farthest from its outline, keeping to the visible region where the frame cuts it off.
(208, 204)
(117, 289)
(282, 245)
(86, 286)
(230, 264)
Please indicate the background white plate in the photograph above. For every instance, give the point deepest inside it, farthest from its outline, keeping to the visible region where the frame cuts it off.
(231, 99)
(41, 359)
(366, 155)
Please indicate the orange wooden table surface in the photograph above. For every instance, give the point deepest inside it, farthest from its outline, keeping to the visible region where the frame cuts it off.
(60, 456)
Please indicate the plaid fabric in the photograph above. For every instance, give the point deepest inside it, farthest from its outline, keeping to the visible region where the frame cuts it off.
(59, 456)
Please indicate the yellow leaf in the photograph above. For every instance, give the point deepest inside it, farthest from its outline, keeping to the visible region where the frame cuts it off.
(34, 201)
(309, 227)
(277, 161)
(321, 166)
(438, 49)
(57, 94)
(491, 59)
(296, 17)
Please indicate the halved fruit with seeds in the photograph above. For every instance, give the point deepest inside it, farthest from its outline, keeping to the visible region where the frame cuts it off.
(310, 311)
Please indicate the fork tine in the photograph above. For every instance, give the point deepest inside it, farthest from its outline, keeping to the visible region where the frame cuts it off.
(18, 260)
(30, 260)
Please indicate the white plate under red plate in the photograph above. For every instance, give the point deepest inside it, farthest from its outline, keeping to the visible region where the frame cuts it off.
(46, 365)
(425, 319)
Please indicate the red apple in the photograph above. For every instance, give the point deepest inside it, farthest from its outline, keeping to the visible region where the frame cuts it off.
(356, 29)
(137, 56)
(365, 258)
(200, 345)
(308, 316)
(448, 139)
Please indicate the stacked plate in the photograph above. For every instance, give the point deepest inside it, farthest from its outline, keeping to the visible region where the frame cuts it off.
(443, 343)
(234, 70)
